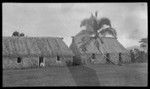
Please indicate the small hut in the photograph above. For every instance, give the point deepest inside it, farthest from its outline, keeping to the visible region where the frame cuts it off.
(111, 51)
(22, 52)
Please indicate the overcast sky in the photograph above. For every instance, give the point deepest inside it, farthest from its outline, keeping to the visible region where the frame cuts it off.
(63, 19)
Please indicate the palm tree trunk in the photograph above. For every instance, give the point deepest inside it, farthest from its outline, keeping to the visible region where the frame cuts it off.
(98, 45)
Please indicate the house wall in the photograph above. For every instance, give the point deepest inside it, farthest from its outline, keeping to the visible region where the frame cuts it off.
(52, 61)
(114, 57)
(10, 63)
(86, 59)
(28, 62)
(100, 59)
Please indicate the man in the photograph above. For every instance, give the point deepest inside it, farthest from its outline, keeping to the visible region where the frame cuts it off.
(132, 56)
(120, 60)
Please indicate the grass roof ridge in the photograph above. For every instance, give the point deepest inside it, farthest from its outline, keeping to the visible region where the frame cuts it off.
(32, 37)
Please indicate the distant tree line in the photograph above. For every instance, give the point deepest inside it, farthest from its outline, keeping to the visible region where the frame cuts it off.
(138, 56)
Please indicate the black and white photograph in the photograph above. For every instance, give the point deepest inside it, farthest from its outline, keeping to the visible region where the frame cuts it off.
(75, 44)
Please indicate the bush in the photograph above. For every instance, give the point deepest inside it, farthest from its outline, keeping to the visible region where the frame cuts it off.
(15, 33)
(138, 56)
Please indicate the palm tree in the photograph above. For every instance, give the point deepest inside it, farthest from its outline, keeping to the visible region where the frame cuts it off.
(96, 30)
(143, 43)
(15, 33)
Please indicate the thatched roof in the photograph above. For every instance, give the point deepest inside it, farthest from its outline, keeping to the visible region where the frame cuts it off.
(110, 45)
(35, 46)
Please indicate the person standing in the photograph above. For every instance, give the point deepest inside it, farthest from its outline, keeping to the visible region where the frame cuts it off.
(120, 60)
(132, 56)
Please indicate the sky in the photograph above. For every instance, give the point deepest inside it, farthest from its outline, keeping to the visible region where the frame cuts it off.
(63, 19)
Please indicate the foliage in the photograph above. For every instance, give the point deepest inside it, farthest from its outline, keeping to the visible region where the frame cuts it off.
(143, 42)
(109, 31)
(97, 31)
(17, 34)
(138, 56)
(103, 21)
(22, 34)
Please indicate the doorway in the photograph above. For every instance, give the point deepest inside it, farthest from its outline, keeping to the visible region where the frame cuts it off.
(58, 59)
(120, 59)
(107, 58)
(41, 61)
(19, 60)
(93, 56)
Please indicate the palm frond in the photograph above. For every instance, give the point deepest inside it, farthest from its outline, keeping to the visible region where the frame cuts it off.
(110, 31)
(91, 22)
(143, 40)
(89, 32)
(85, 22)
(142, 45)
(103, 21)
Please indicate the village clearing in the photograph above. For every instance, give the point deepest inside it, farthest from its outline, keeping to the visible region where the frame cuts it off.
(88, 75)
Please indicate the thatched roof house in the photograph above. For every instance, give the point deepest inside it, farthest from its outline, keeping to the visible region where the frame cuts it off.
(27, 47)
(111, 47)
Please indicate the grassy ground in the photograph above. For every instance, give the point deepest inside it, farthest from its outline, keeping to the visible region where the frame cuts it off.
(87, 75)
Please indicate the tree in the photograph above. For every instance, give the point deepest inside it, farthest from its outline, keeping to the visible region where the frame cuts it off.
(96, 30)
(15, 33)
(143, 42)
(22, 34)
(97, 25)
(140, 56)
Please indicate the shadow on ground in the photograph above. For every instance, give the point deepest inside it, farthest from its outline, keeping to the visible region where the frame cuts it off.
(84, 76)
